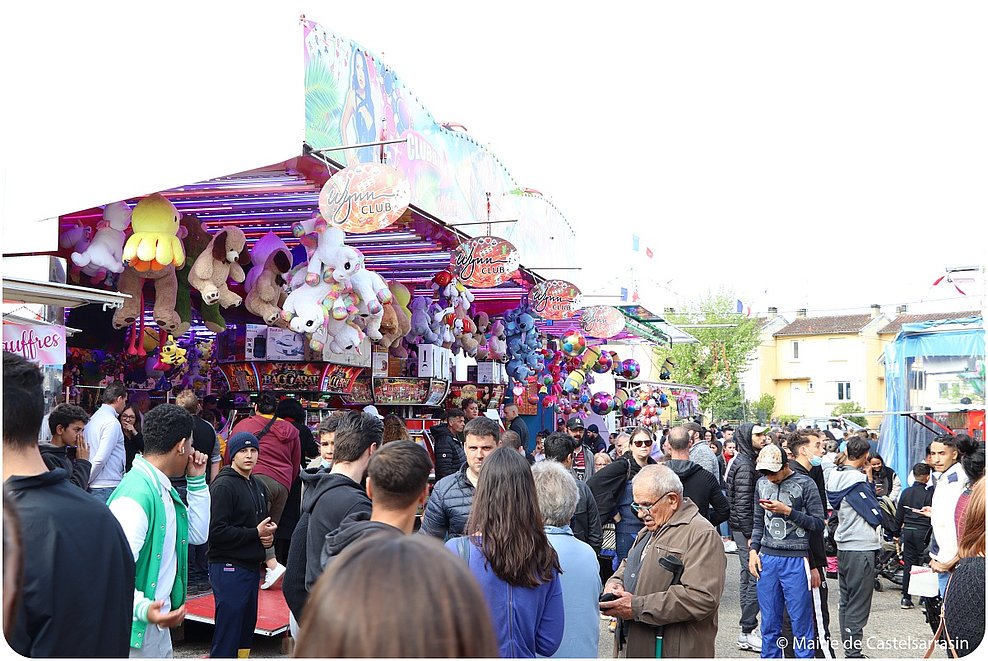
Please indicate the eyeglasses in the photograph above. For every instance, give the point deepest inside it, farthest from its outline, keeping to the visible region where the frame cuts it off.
(128, 417)
(643, 508)
(642, 444)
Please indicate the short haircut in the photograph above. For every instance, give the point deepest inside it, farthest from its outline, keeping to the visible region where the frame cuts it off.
(399, 473)
(210, 399)
(659, 479)
(210, 416)
(483, 426)
(290, 407)
(455, 413)
(727, 428)
(23, 401)
(164, 426)
(557, 493)
(330, 424)
(112, 392)
(465, 404)
(65, 415)
(857, 447)
(922, 469)
(512, 405)
(187, 400)
(356, 432)
(801, 437)
(510, 439)
(679, 438)
(267, 403)
(558, 445)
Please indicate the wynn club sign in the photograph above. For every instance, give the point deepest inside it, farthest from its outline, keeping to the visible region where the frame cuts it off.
(555, 299)
(485, 261)
(364, 198)
(601, 321)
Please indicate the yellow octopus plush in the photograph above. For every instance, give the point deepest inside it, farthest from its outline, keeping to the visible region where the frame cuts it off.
(154, 245)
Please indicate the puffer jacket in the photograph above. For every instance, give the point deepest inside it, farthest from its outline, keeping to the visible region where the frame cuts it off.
(448, 507)
(741, 481)
(449, 451)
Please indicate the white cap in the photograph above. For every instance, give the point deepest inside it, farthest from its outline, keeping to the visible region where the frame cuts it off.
(370, 408)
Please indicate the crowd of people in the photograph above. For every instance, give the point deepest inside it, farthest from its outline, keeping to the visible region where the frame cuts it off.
(519, 550)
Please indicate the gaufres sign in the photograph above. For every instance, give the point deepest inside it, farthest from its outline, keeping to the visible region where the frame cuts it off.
(44, 345)
(485, 261)
(364, 198)
(555, 299)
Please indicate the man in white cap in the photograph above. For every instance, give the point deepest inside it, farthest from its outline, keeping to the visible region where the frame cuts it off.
(372, 410)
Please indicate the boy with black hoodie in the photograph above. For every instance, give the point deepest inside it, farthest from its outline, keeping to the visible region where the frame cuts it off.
(913, 528)
(68, 448)
(239, 532)
(397, 484)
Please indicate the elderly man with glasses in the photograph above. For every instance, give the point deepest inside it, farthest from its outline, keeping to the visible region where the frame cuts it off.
(664, 611)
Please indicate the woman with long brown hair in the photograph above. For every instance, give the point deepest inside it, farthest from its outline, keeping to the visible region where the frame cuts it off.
(394, 429)
(508, 552)
(964, 601)
(392, 579)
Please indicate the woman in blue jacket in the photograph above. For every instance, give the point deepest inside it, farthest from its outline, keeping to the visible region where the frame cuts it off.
(508, 552)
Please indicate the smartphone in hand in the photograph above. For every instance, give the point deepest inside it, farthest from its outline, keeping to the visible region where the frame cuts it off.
(607, 596)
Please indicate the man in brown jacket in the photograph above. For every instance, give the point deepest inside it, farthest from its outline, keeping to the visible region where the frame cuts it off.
(647, 603)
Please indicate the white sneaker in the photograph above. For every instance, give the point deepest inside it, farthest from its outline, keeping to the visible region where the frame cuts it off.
(730, 546)
(751, 641)
(271, 576)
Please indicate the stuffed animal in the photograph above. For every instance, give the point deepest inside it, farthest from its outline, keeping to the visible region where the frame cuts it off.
(74, 237)
(444, 284)
(369, 321)
(343, 337)
(497, 345)
(421, 330)
(304, 310)
(171, 353)
(265, 282)
(165, 290)
(462, 297)
(440, 326)
(221, 261)
(370, 287)
(195, 239)
(106, 249)
(330, 252)
(390, 329)
(154, 245)
(465, 332)
(400, 303)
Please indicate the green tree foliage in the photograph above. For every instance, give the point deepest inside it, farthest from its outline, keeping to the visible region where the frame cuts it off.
(721, 355)
(850, 407)
(763, 408)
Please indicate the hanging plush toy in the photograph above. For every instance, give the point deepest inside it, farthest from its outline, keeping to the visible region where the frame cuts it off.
(265, 282)
(304, 309)
(195, 240)
(154, 245)
(171, 353)
(105, 252)
(422, 322)
(222, 260)
(330, 253)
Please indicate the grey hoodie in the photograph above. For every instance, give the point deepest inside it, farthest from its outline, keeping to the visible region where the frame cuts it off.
(776, 534)
(853, 532)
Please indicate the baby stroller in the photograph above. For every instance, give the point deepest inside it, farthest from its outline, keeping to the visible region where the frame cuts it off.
(888, 562)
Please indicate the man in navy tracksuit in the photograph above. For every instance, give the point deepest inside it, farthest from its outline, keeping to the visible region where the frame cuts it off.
(239, 532)
(787, 511)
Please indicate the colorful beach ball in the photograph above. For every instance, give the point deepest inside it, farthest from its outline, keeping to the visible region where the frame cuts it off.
(574, 344)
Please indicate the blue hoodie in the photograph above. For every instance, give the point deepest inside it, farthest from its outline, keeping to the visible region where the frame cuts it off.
(527, 621)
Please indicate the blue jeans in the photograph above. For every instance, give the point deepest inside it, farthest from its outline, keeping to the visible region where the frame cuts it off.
(102, 493)
(942, 579)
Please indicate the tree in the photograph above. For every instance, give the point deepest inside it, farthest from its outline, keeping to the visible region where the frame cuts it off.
(850, 407)
(719, 357)
(763, 408)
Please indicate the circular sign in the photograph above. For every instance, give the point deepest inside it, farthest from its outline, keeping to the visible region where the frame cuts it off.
(364, 198)
(601, 321)
(555, 299)
(485, 261)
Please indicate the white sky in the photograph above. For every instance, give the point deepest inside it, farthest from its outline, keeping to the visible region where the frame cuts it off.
(825, 156)
(818, 155)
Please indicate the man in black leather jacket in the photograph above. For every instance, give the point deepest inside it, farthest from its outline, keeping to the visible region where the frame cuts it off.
(447, 445)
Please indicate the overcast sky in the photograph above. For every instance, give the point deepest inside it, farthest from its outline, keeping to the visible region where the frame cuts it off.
(825, 155)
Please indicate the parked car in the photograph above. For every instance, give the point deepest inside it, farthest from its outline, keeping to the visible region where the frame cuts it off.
(827, 423)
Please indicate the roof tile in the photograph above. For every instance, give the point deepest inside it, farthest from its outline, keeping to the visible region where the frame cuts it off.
(849, 323)
(896, 324)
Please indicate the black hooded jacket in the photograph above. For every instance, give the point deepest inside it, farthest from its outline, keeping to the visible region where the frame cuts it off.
(703, 489)
(741, 482)
(236, 505)
(350, 531)
(56, 456)
(449, 451)
(609, 482)
(818, 552)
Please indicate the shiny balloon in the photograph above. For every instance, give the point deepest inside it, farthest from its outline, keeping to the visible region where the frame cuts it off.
(604, 363)
(631, 407)
(573, 344)
(601, 403)
(630, 369)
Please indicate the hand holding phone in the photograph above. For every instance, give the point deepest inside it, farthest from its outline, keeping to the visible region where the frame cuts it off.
(607, 596)
(764, 501)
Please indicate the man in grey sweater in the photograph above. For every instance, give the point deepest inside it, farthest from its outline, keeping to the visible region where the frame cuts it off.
(853, 497)
(787, 511)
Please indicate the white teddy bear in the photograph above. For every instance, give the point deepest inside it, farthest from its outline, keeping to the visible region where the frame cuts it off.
(303, 309)
(105, 251)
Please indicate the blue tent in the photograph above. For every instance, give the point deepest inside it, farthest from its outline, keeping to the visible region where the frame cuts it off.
(958, 345)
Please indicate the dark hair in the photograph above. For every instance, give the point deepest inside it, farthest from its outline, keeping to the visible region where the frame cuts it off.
(544, 433)
(857, 447)
(394, 429)
(510, 439)
(679, 438)
(209, 415)
(482, 426)
(465, 404)
(641, 430)
(210, 399)
(23, 401)
(801, 437)
(922, 469)
(727, 428)
(720, 446)
(164, 426)
(290, 407)
(65, 415)
(399, 473)
(267, 403)
(137, 416)
(357, 431)
(391, 602)
(113, 391)
(875, 455)
(455, 413)
(557, 446)
(330, 424)
(506, 515)
(974, 463)
(929, 448)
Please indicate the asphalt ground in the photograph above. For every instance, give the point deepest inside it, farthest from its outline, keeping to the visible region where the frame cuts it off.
(891, 632)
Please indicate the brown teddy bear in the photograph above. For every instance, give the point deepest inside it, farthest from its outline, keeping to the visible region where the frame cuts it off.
(265, 282)
(165, 291)
(222, 260)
